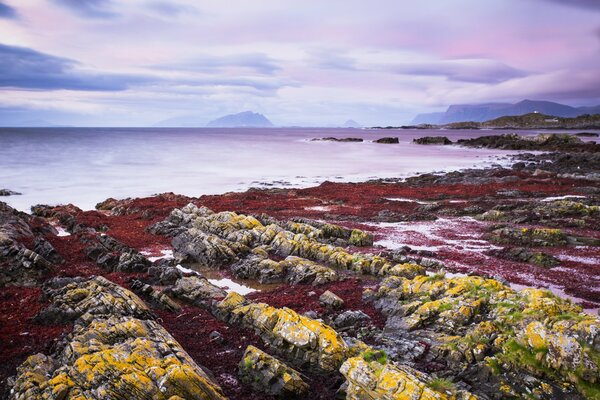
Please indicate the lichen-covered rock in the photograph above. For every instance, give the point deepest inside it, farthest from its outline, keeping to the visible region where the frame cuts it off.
(407, 270)
(73, 297)
(293, 270)
(270, 375)
(331, 300)
(521, 254)
(116, 358)
(530, 339)
(360, 238)
(301, 339)
(219, 239)
(530, 236)
(300, 270)
(197, 246)
(383, 380)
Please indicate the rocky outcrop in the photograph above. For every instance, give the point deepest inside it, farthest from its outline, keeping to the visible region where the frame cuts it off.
(303, 340)
(334, 139)
(293, 270)
(7, 192)
(73, 297)
(378, 379)
(544, 141)
(270, 375)
(20, 248)
(114, 351)
(520, 254)
(433, 140)
(527, 341)
(196, 290)
(331, 300)
(539, 237)
(220, 239)
(387, 140)
(115, 357)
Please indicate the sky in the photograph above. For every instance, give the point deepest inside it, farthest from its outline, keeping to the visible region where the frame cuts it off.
(309, 62)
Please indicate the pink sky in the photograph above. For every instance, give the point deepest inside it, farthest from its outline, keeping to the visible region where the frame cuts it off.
(108, 62)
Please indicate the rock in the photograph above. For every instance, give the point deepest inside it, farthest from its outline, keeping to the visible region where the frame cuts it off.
(331, 300)
(18, 263)
(361, 238)
(542, 142)
(530, 236)
(115, 357)
(270, 375)
(407, 270)
(74, 297)
(587, 134)
(300, 270)
(383, 380)
(432, 140)
(387, 140)
(521, 254)
(6, 192)
(196, 290)
(208, 249)
(216, 336)
(219, 239)
(158, 297)
(334, 139)
(516, 334)
(293, 270)
(350, 319)
(303, 340)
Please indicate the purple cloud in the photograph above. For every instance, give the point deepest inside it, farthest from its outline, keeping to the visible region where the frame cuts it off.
(7, 11)
(588, 4)
(469, 70)
(256, 62)
(88, 8)
(24, 68)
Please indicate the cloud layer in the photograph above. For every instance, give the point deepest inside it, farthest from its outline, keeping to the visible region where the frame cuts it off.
(301, 63)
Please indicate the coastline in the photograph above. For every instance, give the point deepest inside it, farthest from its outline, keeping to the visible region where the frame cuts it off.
(463, 222)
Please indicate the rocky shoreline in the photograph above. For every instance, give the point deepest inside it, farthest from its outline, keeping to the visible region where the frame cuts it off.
(383, 289)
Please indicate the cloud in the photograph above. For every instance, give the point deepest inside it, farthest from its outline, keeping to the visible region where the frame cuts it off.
(88, 8)
(461, 70)
(25, 68)
(170, 8)
(257, 62)
(7, 11)
(587, 4)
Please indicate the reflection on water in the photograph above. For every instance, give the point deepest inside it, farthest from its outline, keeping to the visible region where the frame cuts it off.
(84, 166)
(222, 279)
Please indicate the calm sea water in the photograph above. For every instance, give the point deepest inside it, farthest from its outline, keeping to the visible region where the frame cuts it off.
(84, 166)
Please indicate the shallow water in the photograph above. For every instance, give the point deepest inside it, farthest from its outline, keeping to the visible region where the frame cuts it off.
(84, 166)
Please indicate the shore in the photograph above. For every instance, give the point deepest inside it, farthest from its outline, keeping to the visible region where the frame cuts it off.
(417, 280)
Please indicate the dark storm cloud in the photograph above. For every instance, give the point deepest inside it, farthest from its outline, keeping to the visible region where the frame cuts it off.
(7, 11)
(25, 68)
(88, 8)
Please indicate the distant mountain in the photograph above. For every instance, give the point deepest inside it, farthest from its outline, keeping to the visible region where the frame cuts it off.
(486, 112)
(351, 124)
(243, 119)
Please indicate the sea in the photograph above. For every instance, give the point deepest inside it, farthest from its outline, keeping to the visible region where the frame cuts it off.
(84, 166)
